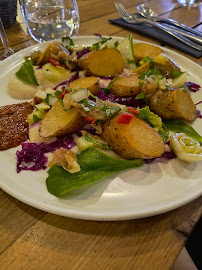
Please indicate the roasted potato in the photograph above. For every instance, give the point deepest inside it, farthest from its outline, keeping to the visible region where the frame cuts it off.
(104, 62)
(165, 65)
(126, 85)
(142, 50)
(134, 140)
(53, 49)
(174, 104)
(90, 83)
(57, 121)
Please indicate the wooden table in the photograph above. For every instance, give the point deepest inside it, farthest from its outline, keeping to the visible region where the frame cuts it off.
(33, 239)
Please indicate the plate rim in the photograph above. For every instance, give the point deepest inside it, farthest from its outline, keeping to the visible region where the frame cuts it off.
(83, 214)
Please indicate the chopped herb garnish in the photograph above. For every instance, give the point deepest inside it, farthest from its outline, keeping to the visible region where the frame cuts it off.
(71, 42)
(146, 74)
(98, 143)
(140, 96)
(36, 118)
(112, 81)
(176, 74)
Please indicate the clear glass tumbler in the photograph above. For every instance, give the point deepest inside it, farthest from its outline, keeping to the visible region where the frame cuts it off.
(189, 3)
(50, 19)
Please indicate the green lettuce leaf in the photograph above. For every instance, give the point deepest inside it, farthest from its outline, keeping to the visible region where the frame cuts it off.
(26, 73)
(179, 126)
(95, 165)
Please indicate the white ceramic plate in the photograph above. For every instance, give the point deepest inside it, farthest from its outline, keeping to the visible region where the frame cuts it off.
(146, 191)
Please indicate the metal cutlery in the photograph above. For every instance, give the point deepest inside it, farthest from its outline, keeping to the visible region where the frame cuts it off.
(133, 19)
(151, 15)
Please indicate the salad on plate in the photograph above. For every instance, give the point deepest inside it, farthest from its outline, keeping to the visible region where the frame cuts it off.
(101, 109)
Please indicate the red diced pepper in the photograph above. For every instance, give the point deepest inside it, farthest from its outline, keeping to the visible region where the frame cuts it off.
(133, 110)
(53, 61)
(61, 95)
(36, 100)
(125, 118)
(89, 119)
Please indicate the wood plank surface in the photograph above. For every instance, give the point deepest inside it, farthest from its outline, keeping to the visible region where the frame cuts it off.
(33, 239)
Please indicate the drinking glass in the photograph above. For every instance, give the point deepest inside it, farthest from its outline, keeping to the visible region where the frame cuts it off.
(189, 3)
(50, 19)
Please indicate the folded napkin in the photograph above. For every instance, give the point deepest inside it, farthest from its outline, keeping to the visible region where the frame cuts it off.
(159, 35)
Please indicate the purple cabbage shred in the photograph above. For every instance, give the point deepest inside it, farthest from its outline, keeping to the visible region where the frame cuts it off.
(198, 102)
(66, 83)
(128, 101)
(198, 113)
(166, 155)
(193, 86)
(32, 156)
(81, 53)
(97, 35)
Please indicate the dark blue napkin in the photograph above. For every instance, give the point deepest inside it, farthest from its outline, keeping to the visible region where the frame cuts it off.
(159, 35)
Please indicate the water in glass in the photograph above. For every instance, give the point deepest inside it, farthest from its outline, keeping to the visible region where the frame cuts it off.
(51, 19)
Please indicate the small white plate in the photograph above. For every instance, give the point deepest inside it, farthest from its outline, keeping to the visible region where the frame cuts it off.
(150, 190)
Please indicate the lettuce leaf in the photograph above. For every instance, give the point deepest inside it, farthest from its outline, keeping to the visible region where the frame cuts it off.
(95, 165)
(179, 126)
(26, 73)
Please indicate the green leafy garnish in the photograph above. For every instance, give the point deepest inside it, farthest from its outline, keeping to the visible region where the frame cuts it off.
(57, 94)
(140, 96)
(97, 45)
(154, 121)
(26, 73)
(98, 143)
(71, 42)
(112, 81)
(164, 132)
(146, 59)
(176, 74)
(151, 118)
(88, 105)
(95, 165)
(179, 126)
(146, 74)
(36, 118)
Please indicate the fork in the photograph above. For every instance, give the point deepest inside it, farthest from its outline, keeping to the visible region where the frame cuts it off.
(133, 19)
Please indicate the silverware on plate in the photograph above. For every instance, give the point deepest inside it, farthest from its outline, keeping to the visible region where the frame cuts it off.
(134, 19)
(151, 15)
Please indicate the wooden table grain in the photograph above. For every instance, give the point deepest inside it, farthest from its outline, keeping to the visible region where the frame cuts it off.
(33, 239)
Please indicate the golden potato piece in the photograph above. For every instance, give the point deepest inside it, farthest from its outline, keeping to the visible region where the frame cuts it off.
(134, 140)
(57, 121)
(142, 50)
(53, 48)
(90, 83)
(165, 65)
(104, 62)
(175, 104)
(126, 85)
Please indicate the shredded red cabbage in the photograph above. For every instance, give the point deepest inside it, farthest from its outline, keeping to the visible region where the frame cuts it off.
(81, 53)
(66, 83)
(198, 113)
(32, 156)
(128, 101)
(98, 35)
(193, 86)
(198, 102)
(166, 155)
